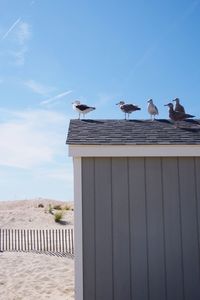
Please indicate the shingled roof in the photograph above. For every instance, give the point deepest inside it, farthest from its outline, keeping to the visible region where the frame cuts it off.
(133, 132)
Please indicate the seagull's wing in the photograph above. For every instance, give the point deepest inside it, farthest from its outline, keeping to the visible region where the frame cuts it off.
(181, 108)
(188, 116)
(156, 109)
(130, 107)
(82, 107)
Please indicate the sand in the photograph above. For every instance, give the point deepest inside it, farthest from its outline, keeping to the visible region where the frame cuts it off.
(26, 214)
(27, 276)
(35, 276)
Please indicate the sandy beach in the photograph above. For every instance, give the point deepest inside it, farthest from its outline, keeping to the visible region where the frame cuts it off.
(27, 275)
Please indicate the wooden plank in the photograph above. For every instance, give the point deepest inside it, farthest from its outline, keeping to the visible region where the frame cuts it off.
(25, 240)
(9, 236)
(65, 241)
(6, 239)
(37, 235)
(3, 240)
(62, 237)
(31, 232)
(72, 235)
(88, 210)
(156, 258)
(121, 230)
(190, 237)
(69, 240)
(56, 240)
(47, 241)
(103, 228)
(21, 249)
(173, 240)
(53, 239)
(138, 232)
(12, 240)
(40, 232)
(17, 240)
(197, 184)
(34, 240)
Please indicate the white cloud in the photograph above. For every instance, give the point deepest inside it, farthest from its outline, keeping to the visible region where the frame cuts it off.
(55, 98)
(31, 138)
(19, 34)
(19, 56)
(23, 32)
(39, 88)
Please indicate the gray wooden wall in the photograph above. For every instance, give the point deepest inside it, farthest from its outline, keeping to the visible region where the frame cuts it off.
(141, 225)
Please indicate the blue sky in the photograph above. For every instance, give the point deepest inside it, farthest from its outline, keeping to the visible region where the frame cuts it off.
(100, 52)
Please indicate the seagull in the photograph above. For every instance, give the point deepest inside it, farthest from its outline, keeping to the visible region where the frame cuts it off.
(82, 108)
(178, 106)
(177, 115)
(127, 108)
(152, 109)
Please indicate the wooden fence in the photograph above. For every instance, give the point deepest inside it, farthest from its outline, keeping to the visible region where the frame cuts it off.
(52, 240)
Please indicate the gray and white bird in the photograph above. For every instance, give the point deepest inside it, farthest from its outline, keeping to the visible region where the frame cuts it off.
(82, 108)
(127, 108)
(177, 115)
(152, 109)
(178, 106)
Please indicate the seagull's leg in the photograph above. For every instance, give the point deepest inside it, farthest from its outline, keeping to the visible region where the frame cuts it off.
(79, 116)
(125, 116)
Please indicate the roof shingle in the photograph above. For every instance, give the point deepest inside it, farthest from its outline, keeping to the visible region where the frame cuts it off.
(133, 132)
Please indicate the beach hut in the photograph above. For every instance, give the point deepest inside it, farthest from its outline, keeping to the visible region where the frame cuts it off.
(137, 209)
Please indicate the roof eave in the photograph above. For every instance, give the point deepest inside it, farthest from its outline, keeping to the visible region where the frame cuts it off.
(134, 150)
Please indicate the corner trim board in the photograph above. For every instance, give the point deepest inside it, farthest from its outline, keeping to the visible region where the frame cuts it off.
(78, 228)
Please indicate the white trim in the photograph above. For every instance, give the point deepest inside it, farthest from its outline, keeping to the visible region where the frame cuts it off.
(78, 229)
(133, 150)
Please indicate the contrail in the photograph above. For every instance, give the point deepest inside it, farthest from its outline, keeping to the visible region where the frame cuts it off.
(56, 97)
(11, 28)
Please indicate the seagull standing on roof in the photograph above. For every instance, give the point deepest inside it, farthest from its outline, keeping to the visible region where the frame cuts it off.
(82, 108)
(127, 108)
(177, 115)
(178, 106)
(152, 109)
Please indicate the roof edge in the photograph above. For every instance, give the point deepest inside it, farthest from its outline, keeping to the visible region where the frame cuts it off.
(134, 150)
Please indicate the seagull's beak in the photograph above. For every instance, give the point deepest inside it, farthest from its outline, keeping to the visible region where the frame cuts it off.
(117, 103)
(166, 104)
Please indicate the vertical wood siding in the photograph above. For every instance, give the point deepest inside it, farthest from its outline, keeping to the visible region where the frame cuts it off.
(141, 228)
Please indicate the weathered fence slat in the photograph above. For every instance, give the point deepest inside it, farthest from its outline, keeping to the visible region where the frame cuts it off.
(58, 240)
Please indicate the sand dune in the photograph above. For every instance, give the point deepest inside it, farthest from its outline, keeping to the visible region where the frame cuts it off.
(27, 276)
(26, 214)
